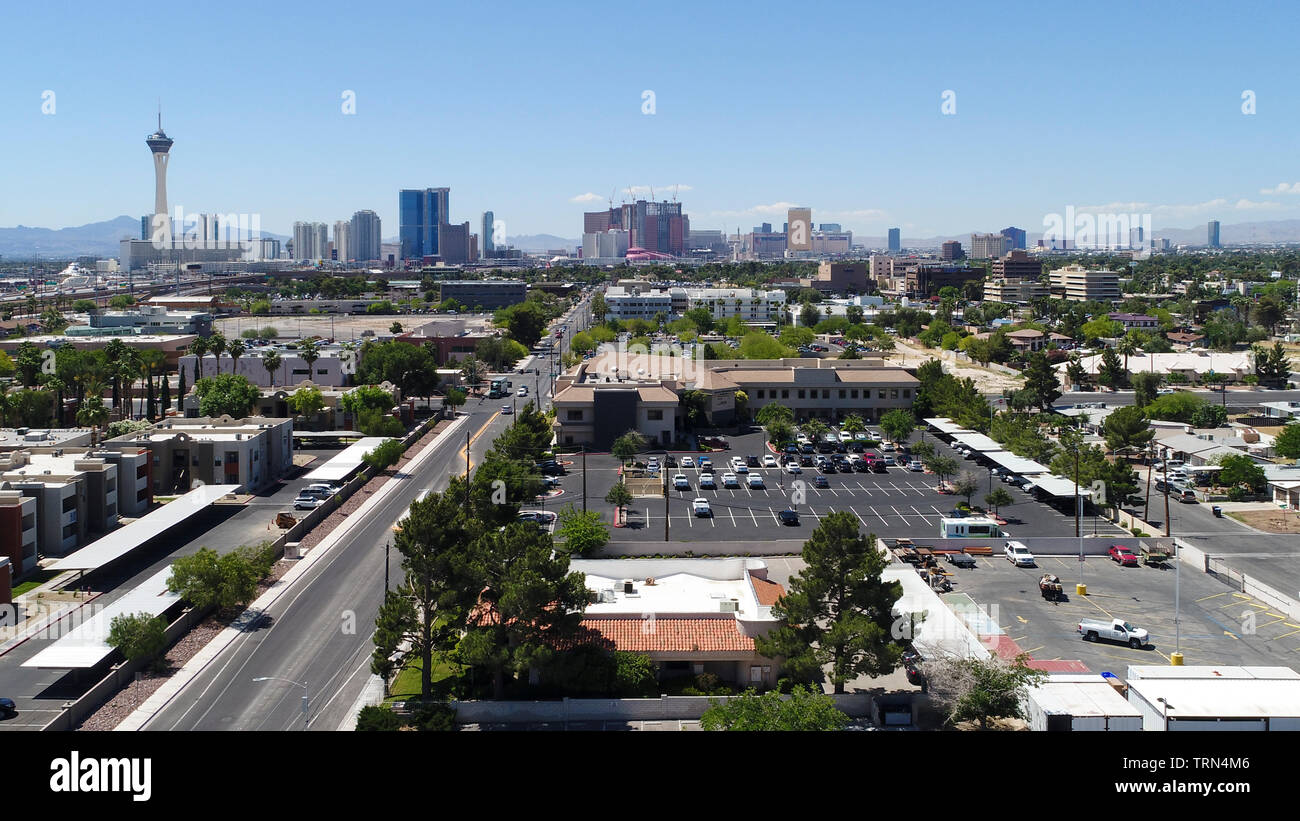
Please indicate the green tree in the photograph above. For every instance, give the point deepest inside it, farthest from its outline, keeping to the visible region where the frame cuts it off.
(1111, 372)
(307, 401)
(206, 579)
(216, 344)
(386, 453)
(1287, 442)
(838, 610)
(1146, 385)
(138, 636)
(1041, 382)
(998, 498)
(620, 497)
(378, 718)
(85, 306)
(772, 412)
(853, 424)
(365, 397)
(372, 422)
(941, 466)
(226, 394)
(1127, 428)
(966, 485)
(759, 345)
(582, 532)
(28, 358)
(628, 445)
(93, 414)
(1273, 367)
(804, 709)
(1242, 471)
(898, 424)
(975, 689)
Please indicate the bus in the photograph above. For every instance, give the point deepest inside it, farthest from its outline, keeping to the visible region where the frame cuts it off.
(976, 527)
(500, 387)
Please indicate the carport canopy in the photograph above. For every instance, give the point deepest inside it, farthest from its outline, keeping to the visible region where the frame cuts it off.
(977, 441)
(945, 425)
(1017, 464)
(1056, 486)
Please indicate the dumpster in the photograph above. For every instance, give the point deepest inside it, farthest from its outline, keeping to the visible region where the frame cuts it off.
(1217, 511)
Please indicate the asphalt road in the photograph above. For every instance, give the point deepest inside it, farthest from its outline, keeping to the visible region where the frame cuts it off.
(304, 640)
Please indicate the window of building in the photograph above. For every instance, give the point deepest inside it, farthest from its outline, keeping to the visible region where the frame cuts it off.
(760, 393)
(654, 415)
(907, 393)
(881, 394)
(785, 393)
(842, 393)
(801, 393)
(893, 393)
(826, 393)
(574, 416)
(853, 394)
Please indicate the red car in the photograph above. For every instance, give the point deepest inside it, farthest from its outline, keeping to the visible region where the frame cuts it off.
(1123, 555)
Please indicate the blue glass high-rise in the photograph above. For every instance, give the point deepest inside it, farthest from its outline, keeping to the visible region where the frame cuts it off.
(420, 212)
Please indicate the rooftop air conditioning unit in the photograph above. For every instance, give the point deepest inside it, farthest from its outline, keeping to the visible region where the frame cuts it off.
(628, 588)
(729, 606)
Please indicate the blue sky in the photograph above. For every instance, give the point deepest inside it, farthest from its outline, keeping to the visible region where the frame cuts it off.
(526, 108)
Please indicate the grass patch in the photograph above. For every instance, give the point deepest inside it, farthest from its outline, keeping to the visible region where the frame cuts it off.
(34, 581)
(407, 684)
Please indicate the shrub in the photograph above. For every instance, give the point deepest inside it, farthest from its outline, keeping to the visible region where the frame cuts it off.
(377, 719)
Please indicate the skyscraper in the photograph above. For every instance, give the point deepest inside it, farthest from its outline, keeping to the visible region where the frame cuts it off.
(342, 240)
(988, 246)
(895, 239)
(489, 219)
(420, 213)
(1016, 236)
(1213, 231)
(364, 236)
(798, 229)
(310, 240)
(160, 144)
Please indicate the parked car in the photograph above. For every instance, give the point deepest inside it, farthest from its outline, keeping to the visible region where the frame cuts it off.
(752, 461)
(706, 482)
(688, 462)
(789, 516)
(961, 559)
(701, 507)
(1114, 630)
(730, 481)
(304, 502)
(706, 465)
(845, 436)
(652, 466)
(680, 482)
(793, 468)
(670, 461)
(756, 481)
(507, 410)
(1187, 496)
(7, 707)
(915, 466)
(806, 461)
(1019, 555)
(550, 468)
(769, 461)
(522, 392)
(886, 447)
(1121, 554)
(912, 666)
(878, 466)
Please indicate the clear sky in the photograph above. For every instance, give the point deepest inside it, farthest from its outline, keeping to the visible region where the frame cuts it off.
(534, 110)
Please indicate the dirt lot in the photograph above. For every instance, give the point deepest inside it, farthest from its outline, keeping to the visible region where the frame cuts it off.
(1269, 521)
(987, 380)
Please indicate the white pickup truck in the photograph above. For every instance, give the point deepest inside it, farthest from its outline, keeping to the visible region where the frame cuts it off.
(1114, 630)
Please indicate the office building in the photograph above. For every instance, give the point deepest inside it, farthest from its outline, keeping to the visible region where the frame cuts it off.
(420, 213)
(1016, 265)
(988, 246)
(832, 243)
(951, 250)
(798, 229)
(606, 245)
(1015, 238)
(1078, 284)
(829, 226)
(844, 277)
(895, 240)
(488, 294)
(310, 240)
(487, 243)
(252, 452)
(1212, 231)
(924, 280)
(1015, 291)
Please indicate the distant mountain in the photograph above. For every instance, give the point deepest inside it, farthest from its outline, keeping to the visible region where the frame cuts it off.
(542, 242)
(93, 239)
(98, 238)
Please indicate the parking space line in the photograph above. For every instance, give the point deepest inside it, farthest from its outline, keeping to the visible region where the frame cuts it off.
(752, 516)
(859, 515)
(859, 484)
(878, 516)
(732, 514)
(899, 515)
(814, 513)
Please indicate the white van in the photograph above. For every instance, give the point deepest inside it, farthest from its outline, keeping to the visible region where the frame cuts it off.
(968, 527)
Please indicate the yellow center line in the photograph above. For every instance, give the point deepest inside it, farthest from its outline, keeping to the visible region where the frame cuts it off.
(461, 454)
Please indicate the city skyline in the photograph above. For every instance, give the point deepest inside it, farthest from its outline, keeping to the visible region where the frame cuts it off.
(1099, 140)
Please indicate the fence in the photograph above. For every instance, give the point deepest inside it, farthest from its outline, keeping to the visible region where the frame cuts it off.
(855, 705)
(1233, 577)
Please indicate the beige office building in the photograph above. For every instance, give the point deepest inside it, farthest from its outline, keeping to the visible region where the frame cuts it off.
(1075, 283)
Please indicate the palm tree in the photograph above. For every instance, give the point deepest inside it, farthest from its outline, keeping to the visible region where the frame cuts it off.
(199, 347)
(1126, 347)
(236, 349)
(92, 412)
(128, 369)
(217, 345)
(271, 361)
(308, 351)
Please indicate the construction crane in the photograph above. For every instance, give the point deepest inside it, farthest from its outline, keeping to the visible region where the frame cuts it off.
(674, 193)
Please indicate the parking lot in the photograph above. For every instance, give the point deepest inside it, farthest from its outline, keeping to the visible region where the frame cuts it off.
(898, 502)
(1218, 624)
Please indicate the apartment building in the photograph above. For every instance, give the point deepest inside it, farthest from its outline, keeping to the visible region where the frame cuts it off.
(750, 305)
(1015, 291)
(252, 452)
(327, 370)
(18, 534)
(635, 303)
(1078, 284)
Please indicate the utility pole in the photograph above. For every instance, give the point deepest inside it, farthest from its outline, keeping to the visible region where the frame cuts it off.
(1151, 450)
(667, 518)
(388, 544)
(1166, 474)
(584, 478)
(466, 468)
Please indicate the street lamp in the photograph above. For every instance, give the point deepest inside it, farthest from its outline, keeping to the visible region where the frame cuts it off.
(306, 720)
